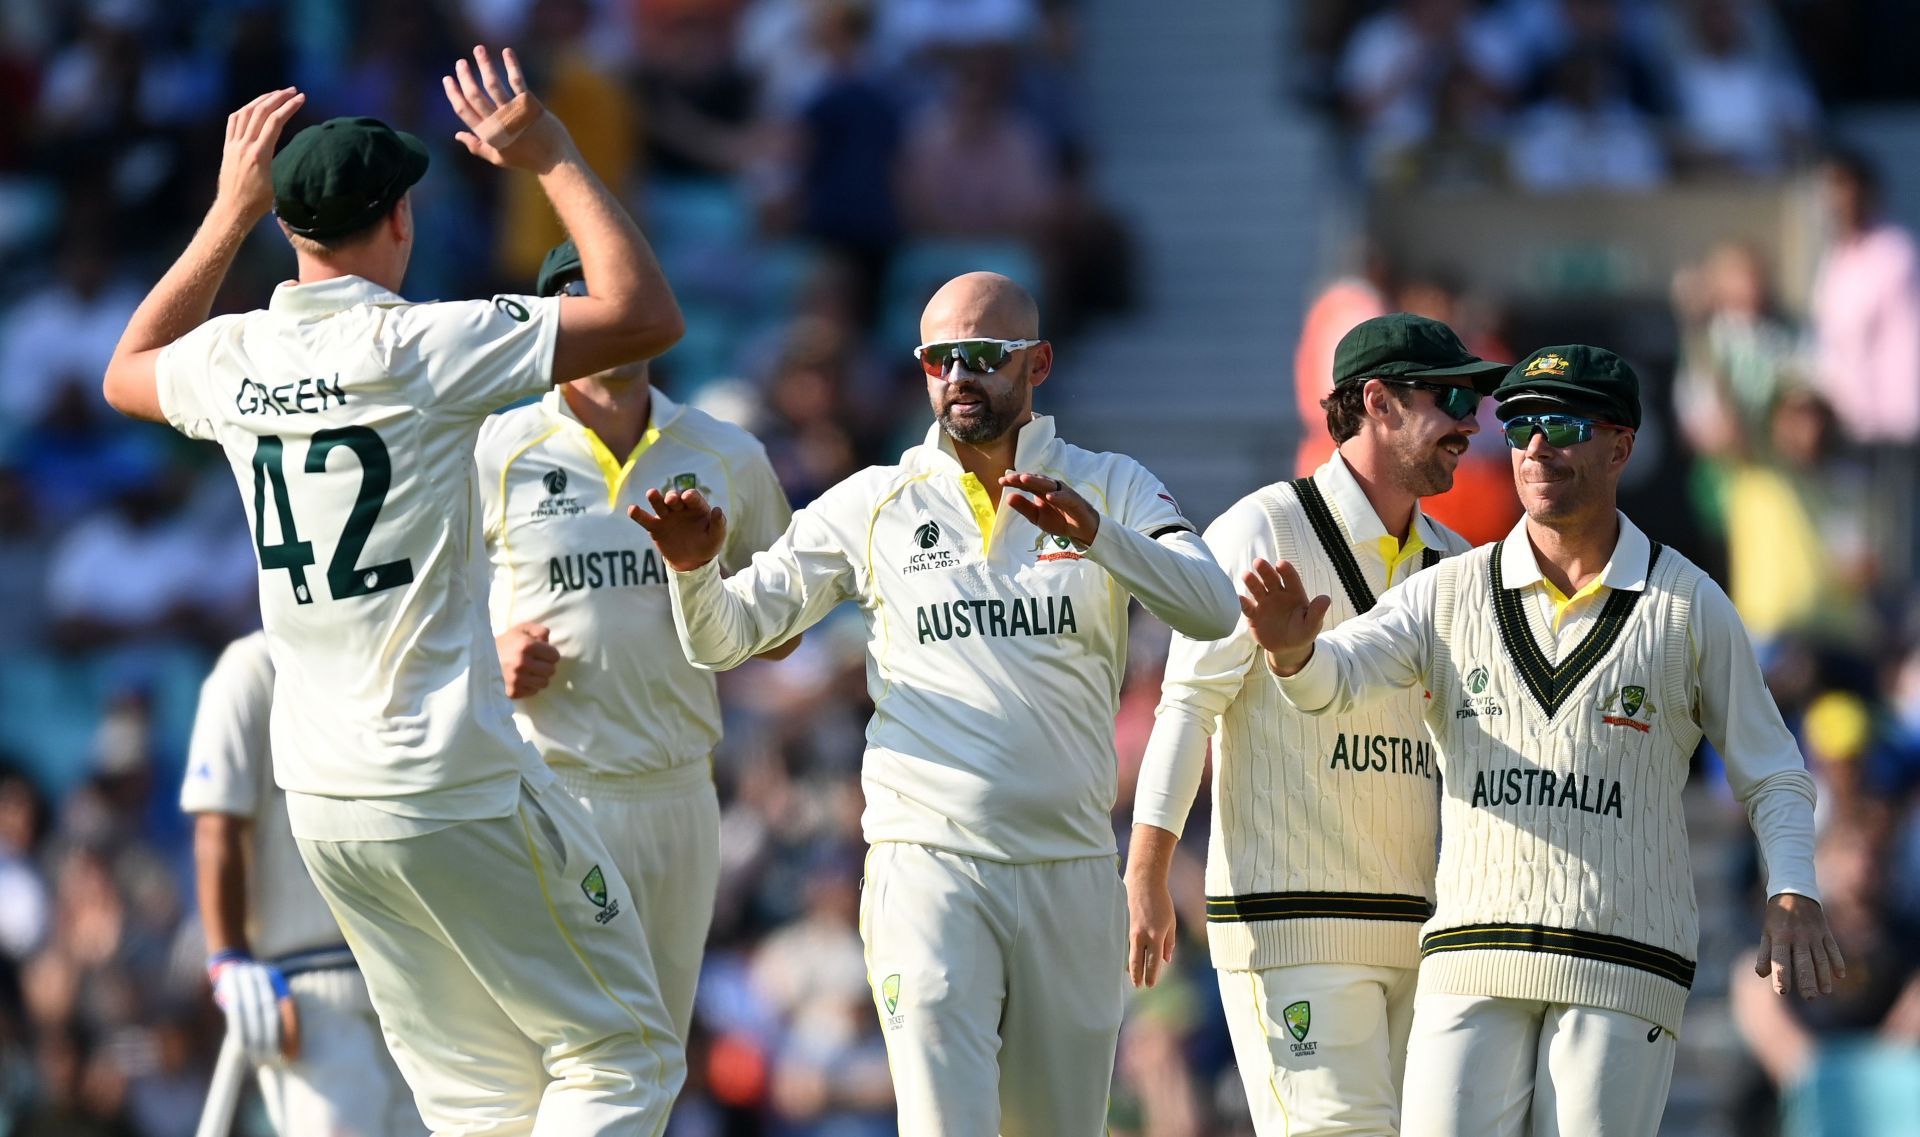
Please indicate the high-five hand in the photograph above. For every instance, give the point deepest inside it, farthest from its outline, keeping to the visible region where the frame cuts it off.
(1053, 507)
(1282, 618)
(506, 125)
(246, 158)
(687, 531)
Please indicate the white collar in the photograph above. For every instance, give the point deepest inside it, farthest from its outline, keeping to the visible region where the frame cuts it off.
(1627, 569)
(335, 294)
(1033, 446)
(661, 411)
(1364, 528)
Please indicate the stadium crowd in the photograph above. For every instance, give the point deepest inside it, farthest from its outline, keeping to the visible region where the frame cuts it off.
(808, 169)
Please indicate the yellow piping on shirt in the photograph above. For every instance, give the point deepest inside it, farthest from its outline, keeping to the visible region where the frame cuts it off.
(613, 471)
(506, 545)
(983, 512)
(879, 607)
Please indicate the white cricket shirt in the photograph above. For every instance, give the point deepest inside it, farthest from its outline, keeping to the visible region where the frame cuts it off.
(996, 651)
(348, 416)
(230, 770)
(624, 699)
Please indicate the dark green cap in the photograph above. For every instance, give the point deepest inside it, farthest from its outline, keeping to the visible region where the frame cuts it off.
(1401, 345)
(338, 177)
(1575, 379)
(559, 269)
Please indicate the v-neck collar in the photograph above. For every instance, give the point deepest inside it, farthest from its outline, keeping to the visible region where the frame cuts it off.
(1550, 684)
(661, 412)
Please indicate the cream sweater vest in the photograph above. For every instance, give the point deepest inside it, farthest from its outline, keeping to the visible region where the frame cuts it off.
(1564, 874)
(1323, 841)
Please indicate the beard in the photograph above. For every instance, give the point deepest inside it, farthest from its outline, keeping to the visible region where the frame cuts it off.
(1426, 469)
(980, 422)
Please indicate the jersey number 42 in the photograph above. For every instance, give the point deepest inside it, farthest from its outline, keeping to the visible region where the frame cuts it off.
(344, 577)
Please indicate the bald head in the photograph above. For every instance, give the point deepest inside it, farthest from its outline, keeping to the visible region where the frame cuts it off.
(980, 305)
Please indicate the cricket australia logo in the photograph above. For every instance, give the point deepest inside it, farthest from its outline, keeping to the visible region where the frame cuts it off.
(1477, 702)
(557, 503)
(1549, 364)
(594, 884)
(1623, 707)
(1299, 1019)
(926, 538)
(1052, 547)
(890, 996)
(687, 481)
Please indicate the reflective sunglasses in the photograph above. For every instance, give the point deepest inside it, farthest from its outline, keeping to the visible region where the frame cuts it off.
(1561, 431)
(1457, 403)
(574, 287)
(981, 356)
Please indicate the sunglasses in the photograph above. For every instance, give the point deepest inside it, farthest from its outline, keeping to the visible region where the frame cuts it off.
(574, 287)
(1457, 403)
(981, 356)
(1561, 431)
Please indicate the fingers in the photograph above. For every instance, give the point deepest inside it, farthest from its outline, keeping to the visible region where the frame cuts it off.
(1834, 958)
(289, 1029)
(464, 110)
(648, 521)
(1822, 967)
(489, 77)
(542, 655)
(1290, 578)
(1782, 966)
(1317, 611)
(1262, 580)
(1026, 507)
(277, 118)
(470, 87)
(537, 631)
(1763, 963)
(1804, 977)
(515, 79)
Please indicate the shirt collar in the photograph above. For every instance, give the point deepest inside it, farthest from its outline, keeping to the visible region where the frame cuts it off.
(661, 411)
(1032, 447)
(1364, 528)
(1627, 569)
(335, 294)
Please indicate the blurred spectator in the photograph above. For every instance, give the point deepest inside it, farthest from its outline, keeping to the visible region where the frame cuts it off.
(1463, 150)
(1585, 134)
(23, 889)
(699, 102)
(911, 32)
(1738, 353)
(1614, 32)
(23, 563)
(1391, 74)
(975, 164)
(1739, 108)
(60, 336)
(1866, 312)
(1334, 312)
(94, 597)
(1087, 255)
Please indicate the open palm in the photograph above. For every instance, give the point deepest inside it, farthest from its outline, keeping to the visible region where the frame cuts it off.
(506, 124)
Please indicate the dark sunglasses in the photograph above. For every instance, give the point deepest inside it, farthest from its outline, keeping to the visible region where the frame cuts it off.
(574, 287)
(1560, 430)
(981, 356)
(1457, 403)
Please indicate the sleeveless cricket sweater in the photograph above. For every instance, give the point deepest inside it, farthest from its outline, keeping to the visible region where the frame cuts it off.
(1322, 846)
(1564, 873)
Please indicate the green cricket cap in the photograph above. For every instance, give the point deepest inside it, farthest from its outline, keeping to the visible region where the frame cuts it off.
(1575, 379)
(340, 176)
(560, 268)
(1401, 345)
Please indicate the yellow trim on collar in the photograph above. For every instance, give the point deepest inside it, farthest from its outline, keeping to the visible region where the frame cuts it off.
(1561, 601)
(613, 471)
(1396, 554)
(983, 511)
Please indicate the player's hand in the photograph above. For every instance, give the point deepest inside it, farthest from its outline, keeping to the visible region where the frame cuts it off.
(258, 1005)
(246, 158)
(1282, 618)
(1150, 930)
(687, 531)
(1797, 948)
(527, 660)
(1054, 507)
(506, 124)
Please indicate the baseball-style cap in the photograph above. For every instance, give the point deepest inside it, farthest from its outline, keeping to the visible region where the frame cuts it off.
(337, 177)
(1401, 345)
(1575, 379)
(560, 268)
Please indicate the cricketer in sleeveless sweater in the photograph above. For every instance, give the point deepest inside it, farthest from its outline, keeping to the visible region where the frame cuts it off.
(1324, 828)
(1565, 727)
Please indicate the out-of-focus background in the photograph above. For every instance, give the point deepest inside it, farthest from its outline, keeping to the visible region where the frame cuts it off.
(1205, 196)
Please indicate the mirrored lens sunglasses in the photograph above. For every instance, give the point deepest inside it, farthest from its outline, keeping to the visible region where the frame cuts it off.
(983, 356)
(1457, 403)
(1560, 430)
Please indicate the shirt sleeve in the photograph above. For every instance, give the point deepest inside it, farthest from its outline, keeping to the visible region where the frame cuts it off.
(183, 379)
(760, 507)
(1147, 545)
(1387, 649)
(229, 750)
(478, 355)
(723, 622)
(1202, 679)
(1764, 766)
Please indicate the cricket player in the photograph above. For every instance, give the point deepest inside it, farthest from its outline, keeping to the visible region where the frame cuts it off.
(494, 931)
(993, 565)
(585, 629)
(1320, 863)
(1571, 669)
(276, 949)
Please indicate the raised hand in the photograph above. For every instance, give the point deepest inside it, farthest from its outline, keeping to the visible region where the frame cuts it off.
(527, 660)
(506, 124)
(246, 158)
(687, 531)
(1282, 618)
(1053, 507)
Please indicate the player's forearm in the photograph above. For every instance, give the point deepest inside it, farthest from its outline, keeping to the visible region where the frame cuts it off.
(1175, 577)
(718, 629)
(180, 301)
(220, 878)
(619, 266)
(1170, 770)
(1150, 856)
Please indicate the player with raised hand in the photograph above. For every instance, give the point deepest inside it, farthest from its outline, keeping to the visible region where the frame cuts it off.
(492, 927)
(993, 566)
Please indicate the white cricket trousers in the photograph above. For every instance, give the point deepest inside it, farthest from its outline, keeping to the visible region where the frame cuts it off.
(1321, 1046)
(1000, 989)
(510, 974)
(1484, 1067)
(664, 832)
(344, 1084)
